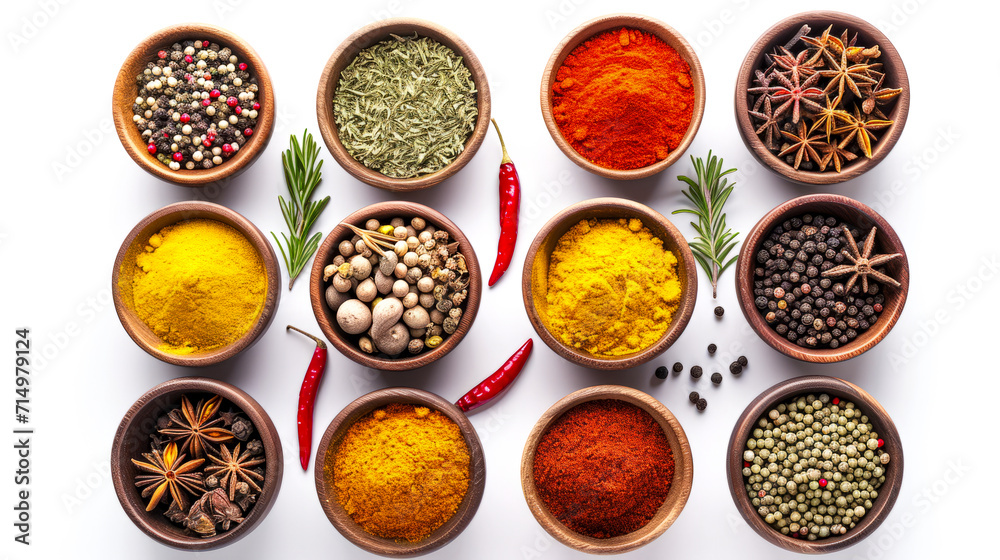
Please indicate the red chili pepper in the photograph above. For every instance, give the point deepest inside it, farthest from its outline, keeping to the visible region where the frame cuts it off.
(510, 204)
(494, 385)
(307, 397)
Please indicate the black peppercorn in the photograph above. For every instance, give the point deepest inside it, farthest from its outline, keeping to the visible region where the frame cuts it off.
(742, 360)
(735, 368)
(719, 311)
(694, 396)
(661, 372)
(716, 378)
(712, 347)
(678, 367)
(701, 404)
(696, 372)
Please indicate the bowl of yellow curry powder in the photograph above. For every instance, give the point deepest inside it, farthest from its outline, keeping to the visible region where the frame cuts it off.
(609, 283)
(400, 472)
(195, 283)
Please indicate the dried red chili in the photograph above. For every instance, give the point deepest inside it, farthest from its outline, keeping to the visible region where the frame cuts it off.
(604, 468)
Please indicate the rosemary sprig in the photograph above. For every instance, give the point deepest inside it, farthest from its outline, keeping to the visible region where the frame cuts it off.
(302, 174)
(714, 241)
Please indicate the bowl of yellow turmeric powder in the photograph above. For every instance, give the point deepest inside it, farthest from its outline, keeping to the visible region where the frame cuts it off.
(195, 283)
(609, 283)
(400, 472)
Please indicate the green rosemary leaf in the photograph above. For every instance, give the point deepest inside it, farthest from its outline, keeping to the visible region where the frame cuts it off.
(302, 175)
(708, 194)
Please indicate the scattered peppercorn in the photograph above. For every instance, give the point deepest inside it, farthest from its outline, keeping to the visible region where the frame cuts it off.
(696, 372)
(719, 311)
(735, 368)
(716, 378)
(678, 367)
(701, 404)
(742, 360)
(661, 372)
(712, 348)
(693, 397)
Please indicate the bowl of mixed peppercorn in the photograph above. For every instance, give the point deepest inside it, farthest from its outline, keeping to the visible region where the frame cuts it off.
(193, 104)
(821, 97)
(814, 464)
(822, 278)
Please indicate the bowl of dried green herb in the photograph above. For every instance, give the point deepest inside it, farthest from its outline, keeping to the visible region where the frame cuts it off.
(821, 97)
(196, 463)
(403, 104)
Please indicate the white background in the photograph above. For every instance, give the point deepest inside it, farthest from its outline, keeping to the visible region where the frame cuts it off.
(71, 194)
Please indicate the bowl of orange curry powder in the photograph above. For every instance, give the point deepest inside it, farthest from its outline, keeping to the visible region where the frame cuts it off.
(623, 96)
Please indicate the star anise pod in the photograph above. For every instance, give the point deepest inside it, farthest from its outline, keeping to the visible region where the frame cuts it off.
(197, 427)
(795, 94)
(878, 95)
(860, 129)
(770, 127)
(826, 46)
(796, 66)
(828, 116)
(843, 74)
(836, 154)
(168, 472)
(863, 263)
(232, 467)
(804, 145)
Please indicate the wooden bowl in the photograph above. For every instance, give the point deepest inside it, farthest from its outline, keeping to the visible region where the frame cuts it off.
(534, 278)
(599, 25)
(132, 439)
(346, 53)
(327, 319)
(855, 213)
(677, 496)
(781, 33)
(879, 419)
(350, 529)
(121, 280)
(125, 90)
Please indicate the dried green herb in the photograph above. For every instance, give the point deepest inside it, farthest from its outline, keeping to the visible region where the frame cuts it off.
(405, 106)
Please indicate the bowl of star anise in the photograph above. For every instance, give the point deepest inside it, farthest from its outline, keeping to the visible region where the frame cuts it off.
(196, 463)
(821, 97)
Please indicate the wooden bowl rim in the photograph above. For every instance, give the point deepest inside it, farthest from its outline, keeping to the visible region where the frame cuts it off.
(317, 286)
(685, 261)
(443, 534)
(879, 419)
(367, 36)
(608, 22)
(886, 237)
(129, 497)
(124, 92)
(680, 486)
(887, 141)
(208, 210)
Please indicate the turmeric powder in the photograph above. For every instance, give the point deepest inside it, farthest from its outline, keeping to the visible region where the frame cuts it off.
(199, 285)
(401, 471)
(612, 287)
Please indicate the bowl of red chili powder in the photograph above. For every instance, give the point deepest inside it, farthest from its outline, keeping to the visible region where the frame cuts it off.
(623, 96)
(607, 469)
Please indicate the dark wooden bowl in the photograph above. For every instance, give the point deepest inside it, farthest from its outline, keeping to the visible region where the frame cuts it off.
(853, 212)
(121, 280)
(125, 90)
(781, 33)
(677, 496)
(350, 529)
(601, 24)
(132, 439)
(327, 319)
(345, 54)
(879, 419)
(536, 266)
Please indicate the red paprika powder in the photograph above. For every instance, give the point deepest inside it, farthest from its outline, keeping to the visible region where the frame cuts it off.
(623, 99)
(604, 468)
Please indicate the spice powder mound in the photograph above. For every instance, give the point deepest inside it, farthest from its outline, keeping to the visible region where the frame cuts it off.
(623, 99)
(401, 471)
(198, 285)
(612, 287)
(604, 468)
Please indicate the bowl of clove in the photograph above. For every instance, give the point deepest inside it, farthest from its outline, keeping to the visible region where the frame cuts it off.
(395, 286)
(196, 463)
(821, 97)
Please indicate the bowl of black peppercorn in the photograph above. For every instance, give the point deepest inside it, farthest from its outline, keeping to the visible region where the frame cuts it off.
(822, 278)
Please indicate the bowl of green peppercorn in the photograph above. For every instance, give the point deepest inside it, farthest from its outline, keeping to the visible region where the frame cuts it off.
(814, 464)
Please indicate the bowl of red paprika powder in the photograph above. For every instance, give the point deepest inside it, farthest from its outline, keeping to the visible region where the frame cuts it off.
(623, 96)
(607, 469)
